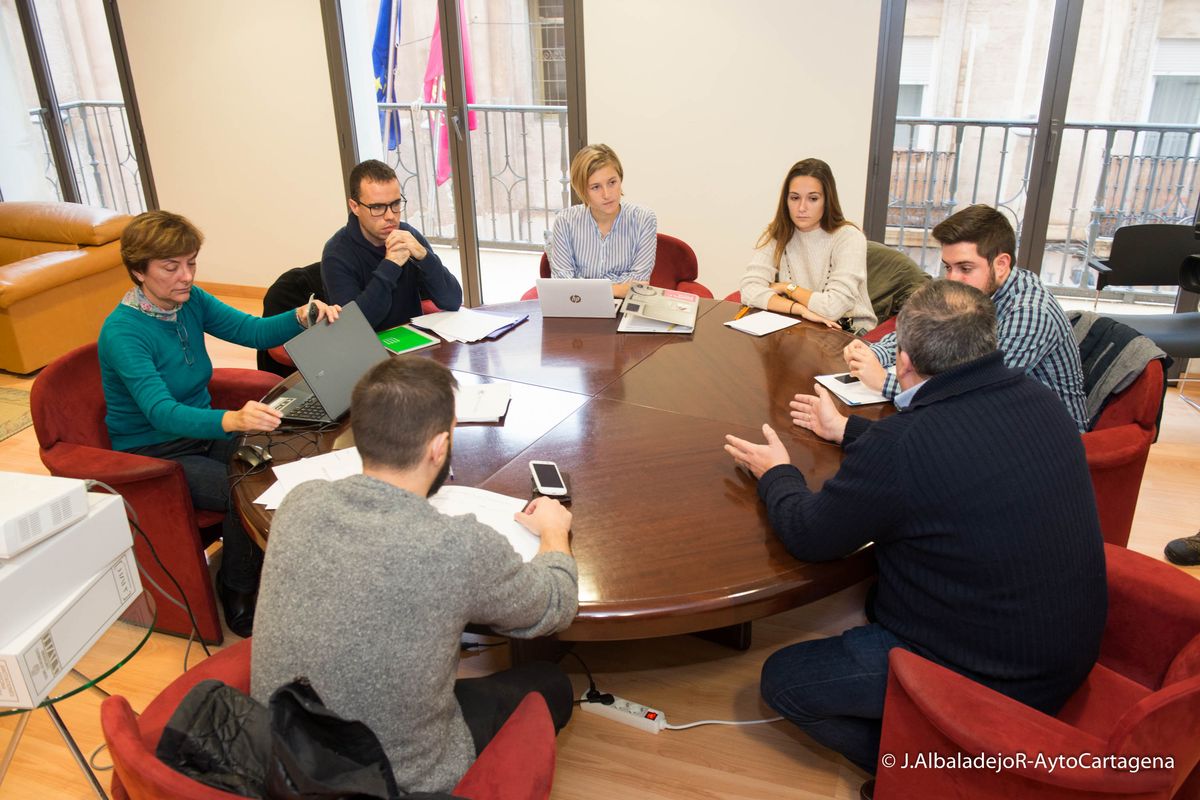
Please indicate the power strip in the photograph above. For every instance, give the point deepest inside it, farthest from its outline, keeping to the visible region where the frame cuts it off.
(627, 712)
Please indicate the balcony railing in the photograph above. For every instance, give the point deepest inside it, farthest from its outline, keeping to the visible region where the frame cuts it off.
(101, 153)
(1109, 175)
(519, 161)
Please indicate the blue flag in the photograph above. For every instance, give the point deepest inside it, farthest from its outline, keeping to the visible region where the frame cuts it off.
(389, 121)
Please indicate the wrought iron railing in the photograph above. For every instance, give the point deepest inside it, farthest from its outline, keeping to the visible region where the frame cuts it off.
(1109, 175)
(519, 161)
(100, 149)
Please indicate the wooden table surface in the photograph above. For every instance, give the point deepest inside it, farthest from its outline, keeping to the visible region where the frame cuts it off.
(670, 538)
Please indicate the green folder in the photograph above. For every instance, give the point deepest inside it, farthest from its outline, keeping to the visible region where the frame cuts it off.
(405, 339)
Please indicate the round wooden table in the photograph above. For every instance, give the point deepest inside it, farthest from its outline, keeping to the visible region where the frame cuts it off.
(670, 537)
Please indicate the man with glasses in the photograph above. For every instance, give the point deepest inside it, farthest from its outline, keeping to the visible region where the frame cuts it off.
(380, 262)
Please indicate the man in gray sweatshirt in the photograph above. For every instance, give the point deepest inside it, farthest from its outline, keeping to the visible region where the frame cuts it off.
(366, 588)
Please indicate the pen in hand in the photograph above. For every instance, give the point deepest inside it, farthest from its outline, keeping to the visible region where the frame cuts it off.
(742, 312)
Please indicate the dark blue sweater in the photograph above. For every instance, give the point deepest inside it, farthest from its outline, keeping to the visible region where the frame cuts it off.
(353, 269)
(979, 502)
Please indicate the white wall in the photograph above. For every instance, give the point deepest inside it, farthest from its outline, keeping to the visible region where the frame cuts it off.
(709, 102)
(238, 115)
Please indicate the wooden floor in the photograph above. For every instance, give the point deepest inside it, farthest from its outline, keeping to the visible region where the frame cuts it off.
(685, 677)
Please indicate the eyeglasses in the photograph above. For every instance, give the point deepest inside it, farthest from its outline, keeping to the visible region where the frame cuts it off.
(377, 209)
(183, 341)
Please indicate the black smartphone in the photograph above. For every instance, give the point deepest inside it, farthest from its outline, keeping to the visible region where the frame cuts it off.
(847, 378)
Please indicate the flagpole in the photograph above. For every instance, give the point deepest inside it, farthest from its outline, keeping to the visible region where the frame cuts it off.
(389, 88)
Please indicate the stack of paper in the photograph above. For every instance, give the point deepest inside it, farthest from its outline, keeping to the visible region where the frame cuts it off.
(467, 325)
(482, 402)
(494, 510)
(330, 466)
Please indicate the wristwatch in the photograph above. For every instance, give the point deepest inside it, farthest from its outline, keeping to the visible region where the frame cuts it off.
(791, 287)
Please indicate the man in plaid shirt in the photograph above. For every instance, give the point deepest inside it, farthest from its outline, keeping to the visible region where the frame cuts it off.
(978, 245)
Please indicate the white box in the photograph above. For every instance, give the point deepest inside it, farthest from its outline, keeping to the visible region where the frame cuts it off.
(33, 663)
(43, 576)
(33, 507)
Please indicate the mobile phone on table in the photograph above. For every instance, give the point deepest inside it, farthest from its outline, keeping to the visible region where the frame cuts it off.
(547, 479)
(847, 378)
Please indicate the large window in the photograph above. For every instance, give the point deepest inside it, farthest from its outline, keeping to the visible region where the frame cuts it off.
(1073, 119)
(66, 124)
(513, 133)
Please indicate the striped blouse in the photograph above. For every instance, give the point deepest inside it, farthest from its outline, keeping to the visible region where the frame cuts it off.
(576, 249)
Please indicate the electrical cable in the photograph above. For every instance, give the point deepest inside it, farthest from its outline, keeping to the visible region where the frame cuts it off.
(721, 722)
(594, 695)
(133, 520)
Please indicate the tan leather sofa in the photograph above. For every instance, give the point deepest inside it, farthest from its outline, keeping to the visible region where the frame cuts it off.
(60, 276)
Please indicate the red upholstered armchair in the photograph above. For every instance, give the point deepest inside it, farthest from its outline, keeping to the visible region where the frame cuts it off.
(1117, 448)
(1141, 699)
(67, 405)
(518, 764)
(675, 267)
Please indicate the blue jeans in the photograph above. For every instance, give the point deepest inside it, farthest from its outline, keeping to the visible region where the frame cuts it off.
(205, 465)
(833, 689)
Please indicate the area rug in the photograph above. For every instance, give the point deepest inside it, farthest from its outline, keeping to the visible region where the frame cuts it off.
(14, 412)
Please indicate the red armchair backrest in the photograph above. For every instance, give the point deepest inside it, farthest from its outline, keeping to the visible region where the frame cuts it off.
(67, 401)
(1152, 634)
(1139, 403)
(674, 261)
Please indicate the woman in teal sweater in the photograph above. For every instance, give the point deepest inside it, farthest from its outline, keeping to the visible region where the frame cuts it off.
(155, 371)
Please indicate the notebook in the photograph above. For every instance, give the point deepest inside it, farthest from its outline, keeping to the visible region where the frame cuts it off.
(331, 359)
(576, 297)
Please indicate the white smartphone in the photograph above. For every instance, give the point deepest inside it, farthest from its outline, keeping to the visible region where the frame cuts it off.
(547, 479)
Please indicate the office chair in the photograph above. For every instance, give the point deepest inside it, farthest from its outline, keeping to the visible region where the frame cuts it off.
(675, 267)
(290, 290)
(517, 763)
(1142, 698)
(1158, 255)
(68, 407)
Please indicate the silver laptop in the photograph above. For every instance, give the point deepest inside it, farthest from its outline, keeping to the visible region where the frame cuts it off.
(576, 297)
(331, 359)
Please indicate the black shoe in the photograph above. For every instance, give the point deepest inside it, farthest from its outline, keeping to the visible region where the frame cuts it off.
(238, 608)
(1184, 552)
(867, 790)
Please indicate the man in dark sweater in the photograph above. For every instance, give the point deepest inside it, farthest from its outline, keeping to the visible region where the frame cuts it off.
(978, 500)
(383, 264)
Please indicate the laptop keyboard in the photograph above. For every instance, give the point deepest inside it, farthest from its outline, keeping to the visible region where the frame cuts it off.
(310, 409)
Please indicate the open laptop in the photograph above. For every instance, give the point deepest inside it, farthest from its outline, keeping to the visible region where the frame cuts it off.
(331, 359)
(576, 297)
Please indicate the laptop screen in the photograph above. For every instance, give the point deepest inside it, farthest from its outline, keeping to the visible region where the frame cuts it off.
(332, 358)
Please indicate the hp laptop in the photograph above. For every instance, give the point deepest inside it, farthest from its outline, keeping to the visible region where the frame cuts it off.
(331, 359)
(576, 297)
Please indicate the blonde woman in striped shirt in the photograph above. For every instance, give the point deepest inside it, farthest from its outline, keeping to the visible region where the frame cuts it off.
(604, 237)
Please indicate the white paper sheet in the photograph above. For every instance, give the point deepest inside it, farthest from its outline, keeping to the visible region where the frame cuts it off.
(482, 402)
(329, 466)
(492, 509)
(852, 394)
(762, 323)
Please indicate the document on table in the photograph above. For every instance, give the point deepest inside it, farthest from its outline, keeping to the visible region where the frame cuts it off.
(852, 394)
(492, 509)
(329, 466)
(467, 325)
(631, 323)
(762, 323)
(482, 402)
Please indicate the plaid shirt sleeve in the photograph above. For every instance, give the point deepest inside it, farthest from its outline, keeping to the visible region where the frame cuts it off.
(885, 351)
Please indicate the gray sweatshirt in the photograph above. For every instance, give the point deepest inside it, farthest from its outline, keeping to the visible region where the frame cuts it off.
(365, 591)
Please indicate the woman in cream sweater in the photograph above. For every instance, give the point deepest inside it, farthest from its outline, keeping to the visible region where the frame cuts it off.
(810, 261)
